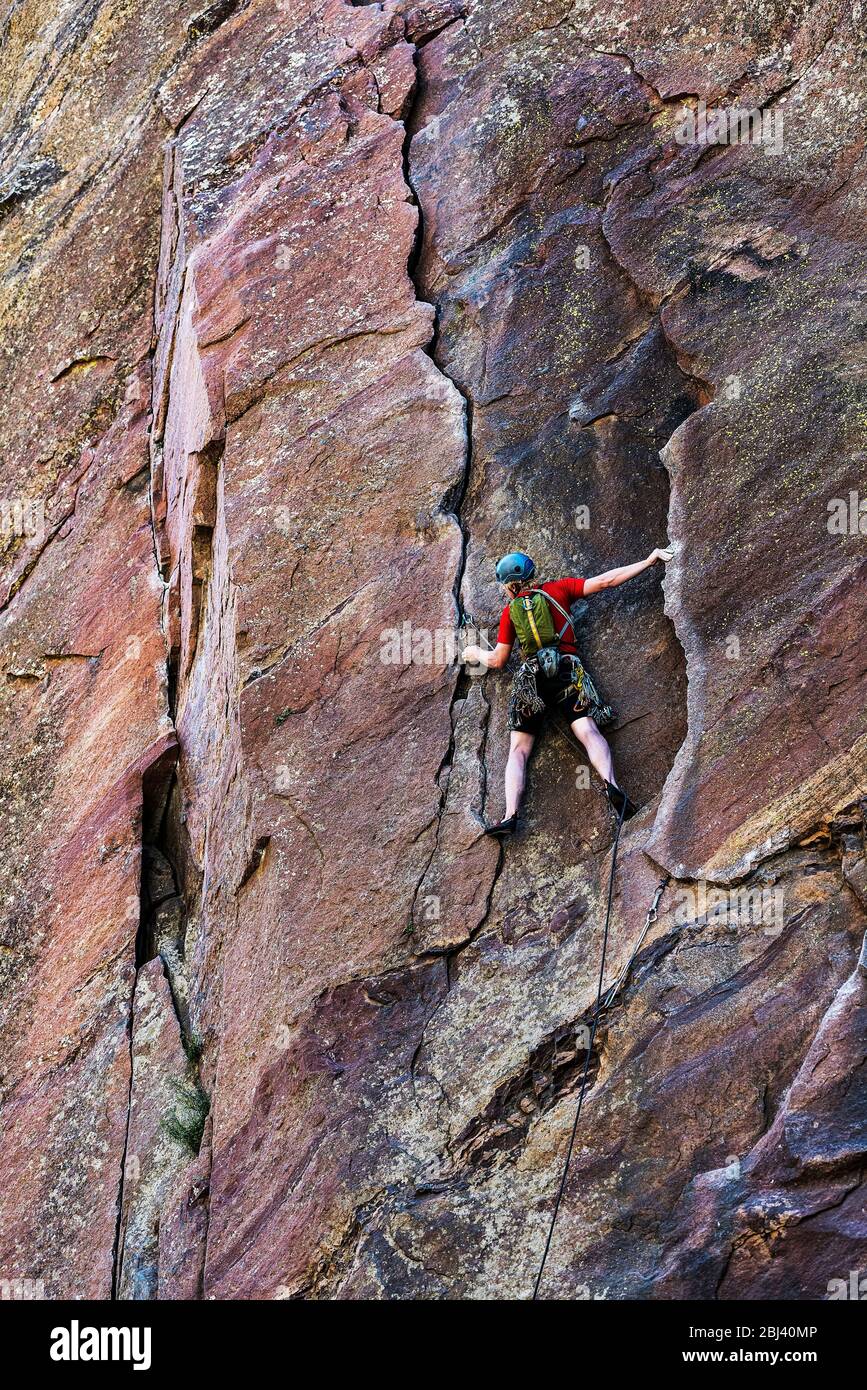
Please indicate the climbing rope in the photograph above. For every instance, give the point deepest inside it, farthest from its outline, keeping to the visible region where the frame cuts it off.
(602, 1004)
(596, 1012)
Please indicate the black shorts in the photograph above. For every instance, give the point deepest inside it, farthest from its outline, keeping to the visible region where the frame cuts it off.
(571, 692)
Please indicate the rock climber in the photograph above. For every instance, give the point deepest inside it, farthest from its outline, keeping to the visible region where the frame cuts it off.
(551, 675)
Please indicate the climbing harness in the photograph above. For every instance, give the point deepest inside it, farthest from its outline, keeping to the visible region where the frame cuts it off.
(602, 1004)
(526, 701)
(530, 627)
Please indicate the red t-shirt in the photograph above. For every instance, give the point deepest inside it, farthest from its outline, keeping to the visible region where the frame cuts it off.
(565, 591)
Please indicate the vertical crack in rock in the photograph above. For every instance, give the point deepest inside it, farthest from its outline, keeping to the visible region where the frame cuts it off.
(204, 519)
(159, 906)
(163, 910)
(153, 805)
(451, 506)
(453, 500)
(116, 1247)
(699, 392)
(188, 442)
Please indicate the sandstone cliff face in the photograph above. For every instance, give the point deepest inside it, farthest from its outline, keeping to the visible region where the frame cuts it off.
(308, 312)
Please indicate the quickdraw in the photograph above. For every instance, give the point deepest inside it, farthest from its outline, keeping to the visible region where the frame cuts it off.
(652, 915)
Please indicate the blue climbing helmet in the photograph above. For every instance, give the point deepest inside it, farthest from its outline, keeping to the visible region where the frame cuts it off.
(515, 567)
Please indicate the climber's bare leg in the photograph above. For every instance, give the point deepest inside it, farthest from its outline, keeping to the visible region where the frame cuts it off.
(520, 746)
(596, 746)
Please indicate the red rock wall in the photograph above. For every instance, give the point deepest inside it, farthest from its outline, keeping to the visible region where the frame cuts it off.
(308, 312)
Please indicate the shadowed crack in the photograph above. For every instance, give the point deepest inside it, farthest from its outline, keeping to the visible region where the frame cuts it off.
(553, 1070)
(450, 507)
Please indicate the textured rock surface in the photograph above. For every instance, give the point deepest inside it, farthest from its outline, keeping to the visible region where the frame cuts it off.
(308, 312)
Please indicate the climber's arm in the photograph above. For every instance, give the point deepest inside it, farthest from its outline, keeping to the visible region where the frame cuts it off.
(493, 659)
(611, 578)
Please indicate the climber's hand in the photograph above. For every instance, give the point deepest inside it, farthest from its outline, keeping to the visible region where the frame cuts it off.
(492, 659)
(663, 553)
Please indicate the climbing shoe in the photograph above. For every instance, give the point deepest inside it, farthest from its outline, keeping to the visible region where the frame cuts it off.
(503, 827)
(620, 802)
